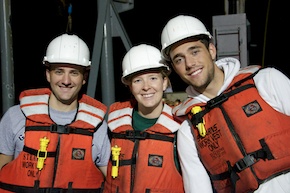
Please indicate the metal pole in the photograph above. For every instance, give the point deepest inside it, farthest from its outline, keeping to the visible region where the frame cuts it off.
(103, 6)
(107, 65)
(108, 25)
(7, 68)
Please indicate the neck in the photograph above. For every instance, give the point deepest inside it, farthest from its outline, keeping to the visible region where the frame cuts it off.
(213, 88)
(60, 106)
(150, 112)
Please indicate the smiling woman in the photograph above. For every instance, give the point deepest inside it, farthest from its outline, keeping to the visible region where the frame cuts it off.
(147, 117)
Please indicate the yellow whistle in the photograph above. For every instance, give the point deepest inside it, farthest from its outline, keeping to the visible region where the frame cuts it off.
(42, 152)
(115, 160)
(200, 126)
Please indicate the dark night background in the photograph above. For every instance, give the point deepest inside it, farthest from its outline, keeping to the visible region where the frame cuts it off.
(35, 23)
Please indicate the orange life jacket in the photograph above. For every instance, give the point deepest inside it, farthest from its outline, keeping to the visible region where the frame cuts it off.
(65, 161)
(246, 140)
(146, 160)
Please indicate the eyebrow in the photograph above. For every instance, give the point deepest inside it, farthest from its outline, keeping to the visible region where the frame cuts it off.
(188, 49)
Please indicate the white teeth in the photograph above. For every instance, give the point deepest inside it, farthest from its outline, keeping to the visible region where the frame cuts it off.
(196, 72)
(147, 95)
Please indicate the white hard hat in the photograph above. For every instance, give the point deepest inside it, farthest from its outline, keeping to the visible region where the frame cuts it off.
(142, 57)
(68, 48)
(179, 28)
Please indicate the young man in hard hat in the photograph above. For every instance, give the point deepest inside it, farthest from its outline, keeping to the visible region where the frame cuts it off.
(56, 139)
(239, 117)
(143, 130)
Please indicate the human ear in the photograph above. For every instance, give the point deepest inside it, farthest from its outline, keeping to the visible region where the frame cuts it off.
(212, 51)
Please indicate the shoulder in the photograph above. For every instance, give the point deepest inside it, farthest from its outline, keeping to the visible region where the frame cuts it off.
(271, 72)
(13, 120)
(13, 112)
(93, 102)
(274, 87)
(270, 76)
(249, 69)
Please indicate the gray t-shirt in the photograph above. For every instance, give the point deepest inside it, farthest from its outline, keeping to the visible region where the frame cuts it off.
(12, 128)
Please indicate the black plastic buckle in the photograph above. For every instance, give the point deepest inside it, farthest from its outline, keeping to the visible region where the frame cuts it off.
(135, 134)
(217, 100)
(62, 129)
(247, 161)
(41, 154)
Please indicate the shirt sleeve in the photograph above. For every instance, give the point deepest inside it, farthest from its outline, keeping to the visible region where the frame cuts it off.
(12, 131)
(195, 177)
(101, 146)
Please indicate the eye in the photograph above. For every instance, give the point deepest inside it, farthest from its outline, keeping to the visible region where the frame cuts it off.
(75, 73)
(136, 80)
(178, 60)
(194, 52)
(58, 71)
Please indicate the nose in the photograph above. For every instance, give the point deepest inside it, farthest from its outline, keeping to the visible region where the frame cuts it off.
(146, 85)
(189, 62)
(66, 79)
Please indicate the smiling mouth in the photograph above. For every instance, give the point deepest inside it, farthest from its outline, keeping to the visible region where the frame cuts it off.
(147, 95)
(195, 72)
(65, 89)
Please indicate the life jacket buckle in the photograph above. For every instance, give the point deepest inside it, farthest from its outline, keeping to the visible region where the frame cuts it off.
(62, 129)
(135, 134)
(246, 162)
(217, 100)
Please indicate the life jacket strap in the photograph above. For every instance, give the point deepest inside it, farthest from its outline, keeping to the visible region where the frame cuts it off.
(23, 189)
(35, 152)
(139, 135)
(61, 129)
